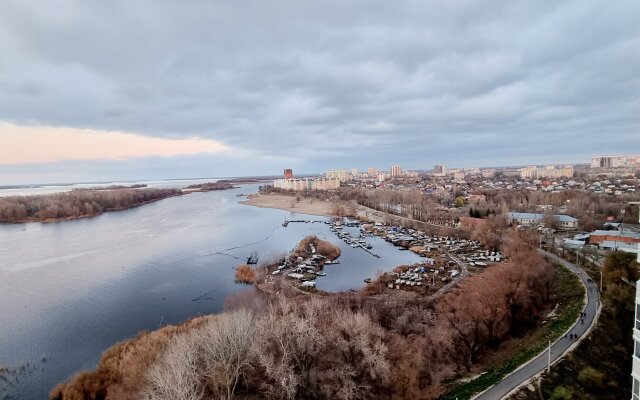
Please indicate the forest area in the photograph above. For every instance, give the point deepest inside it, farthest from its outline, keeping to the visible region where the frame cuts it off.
(294, 345)
(77, 203)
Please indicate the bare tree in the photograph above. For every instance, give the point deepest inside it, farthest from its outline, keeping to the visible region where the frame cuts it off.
(176, 375)
(226, 348)
(309, 349)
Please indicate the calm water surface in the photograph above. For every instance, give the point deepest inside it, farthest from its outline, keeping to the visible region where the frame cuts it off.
(69, 290)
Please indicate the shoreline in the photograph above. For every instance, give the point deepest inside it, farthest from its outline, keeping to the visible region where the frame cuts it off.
(291, 204)
(327, 208)
(77, 217)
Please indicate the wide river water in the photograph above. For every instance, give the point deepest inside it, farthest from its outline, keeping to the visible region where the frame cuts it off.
(69, 290)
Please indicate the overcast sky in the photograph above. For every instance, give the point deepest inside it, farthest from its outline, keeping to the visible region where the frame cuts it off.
(107, 90)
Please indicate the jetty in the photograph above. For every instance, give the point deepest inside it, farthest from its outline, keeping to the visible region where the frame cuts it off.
(287, 222)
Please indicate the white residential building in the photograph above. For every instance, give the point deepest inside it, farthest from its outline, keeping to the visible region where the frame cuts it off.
(635, 371)
(615, 161)
(342, 175)
(396, 171)
(306, 184)
(548, 171)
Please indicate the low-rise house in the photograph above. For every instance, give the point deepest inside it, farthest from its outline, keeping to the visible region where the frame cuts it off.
(600, 236)
(565, 222)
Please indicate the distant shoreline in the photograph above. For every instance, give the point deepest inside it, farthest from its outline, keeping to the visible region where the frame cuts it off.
(76, 217)
(37, 200)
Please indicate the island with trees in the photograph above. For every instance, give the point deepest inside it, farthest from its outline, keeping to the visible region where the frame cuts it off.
(77, 203)
(89, 202)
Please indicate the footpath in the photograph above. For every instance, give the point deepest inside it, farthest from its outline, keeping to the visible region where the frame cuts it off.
(562, 346)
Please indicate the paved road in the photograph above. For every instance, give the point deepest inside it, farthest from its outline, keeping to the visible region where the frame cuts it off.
(538, 364)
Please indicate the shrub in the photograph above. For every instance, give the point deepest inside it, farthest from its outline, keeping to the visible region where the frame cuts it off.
(561, 393)
(245, 274)
(591, 377)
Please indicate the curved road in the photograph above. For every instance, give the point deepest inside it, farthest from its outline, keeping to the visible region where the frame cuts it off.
(531, 369)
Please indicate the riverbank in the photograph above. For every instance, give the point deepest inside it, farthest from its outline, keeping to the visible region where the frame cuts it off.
(337, 208)
(291, 203)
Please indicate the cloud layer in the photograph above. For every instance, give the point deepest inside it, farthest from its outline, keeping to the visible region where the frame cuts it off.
(334, 83)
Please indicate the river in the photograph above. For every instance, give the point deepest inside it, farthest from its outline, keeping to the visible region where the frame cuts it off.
(69, 290)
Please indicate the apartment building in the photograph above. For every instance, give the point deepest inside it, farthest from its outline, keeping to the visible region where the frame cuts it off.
(615, 161)
(635, 371)
(548, 171)
(396, 171)
(306, 184)
(342, 175)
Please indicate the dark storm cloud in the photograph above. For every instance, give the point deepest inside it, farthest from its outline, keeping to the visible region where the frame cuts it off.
(335, 83)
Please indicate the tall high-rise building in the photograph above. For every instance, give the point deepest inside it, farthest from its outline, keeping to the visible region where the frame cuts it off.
(288, 173)
(615, 161)
(372, 172)
(440, 169)
(396, 171)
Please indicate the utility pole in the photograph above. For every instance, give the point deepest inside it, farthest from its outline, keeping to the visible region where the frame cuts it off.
(600, 280)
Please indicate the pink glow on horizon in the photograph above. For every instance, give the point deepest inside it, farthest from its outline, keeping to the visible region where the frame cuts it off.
(42, 144)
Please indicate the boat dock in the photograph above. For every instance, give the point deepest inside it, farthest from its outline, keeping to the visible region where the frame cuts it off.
(308, 221)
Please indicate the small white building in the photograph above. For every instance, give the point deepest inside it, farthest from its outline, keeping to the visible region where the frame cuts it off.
(565, 222)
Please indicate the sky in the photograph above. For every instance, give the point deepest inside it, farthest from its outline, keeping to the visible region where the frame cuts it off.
(152, 89)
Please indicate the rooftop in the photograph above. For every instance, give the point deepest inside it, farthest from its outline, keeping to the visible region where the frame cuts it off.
(524, 215)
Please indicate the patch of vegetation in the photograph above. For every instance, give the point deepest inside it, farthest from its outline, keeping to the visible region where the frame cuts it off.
(570, 297)
(245, 274)
(77, 203)
(211, 186)
(321, 247)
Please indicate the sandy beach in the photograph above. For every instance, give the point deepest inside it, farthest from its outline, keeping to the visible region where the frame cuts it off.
(310, 206)
(289, 203)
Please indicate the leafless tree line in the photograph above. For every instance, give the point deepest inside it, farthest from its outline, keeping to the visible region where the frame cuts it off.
(77, 203)
(293, 349)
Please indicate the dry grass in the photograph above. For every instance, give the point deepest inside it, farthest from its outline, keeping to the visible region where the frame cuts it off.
(122, 369)
(245, 274)
(322, 247)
